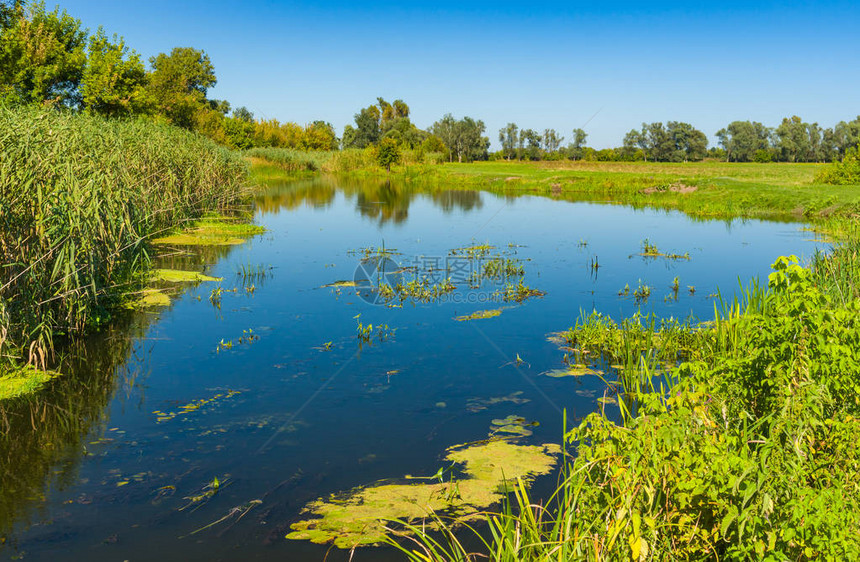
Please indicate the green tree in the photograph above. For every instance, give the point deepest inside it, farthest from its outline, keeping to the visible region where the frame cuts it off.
(509, 137)
(243, 114)
(9, 12)
(400, 108)
(794, 139)
(742, 140)
(577, 144)
(114, 79)
(675, 142)
(319, 135)
(348, 139)
(434, 144)
(366, 127)
(689, 142)
(239, 132)
(388, 153)
(635, 141)
(551, 140)
(464, 138)
(42, 55)
(846, 135)
(178, 85)
(530, 143)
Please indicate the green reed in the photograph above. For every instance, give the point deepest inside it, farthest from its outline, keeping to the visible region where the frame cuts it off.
(79, 196)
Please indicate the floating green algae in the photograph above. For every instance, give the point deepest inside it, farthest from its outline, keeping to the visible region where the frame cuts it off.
(181, 276)
(20, 381)
(360, 517)
(572, 371)
(149, 298)
(480, 315)
(512, 425)
(213, 231)
(338, 284)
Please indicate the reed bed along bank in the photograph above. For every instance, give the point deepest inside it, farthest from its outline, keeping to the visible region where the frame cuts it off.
(350, 160)
(79, 196)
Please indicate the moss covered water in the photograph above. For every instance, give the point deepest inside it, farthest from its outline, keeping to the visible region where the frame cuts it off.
(162, 440)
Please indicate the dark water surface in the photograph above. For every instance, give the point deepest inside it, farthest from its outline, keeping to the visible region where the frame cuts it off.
(97, 469)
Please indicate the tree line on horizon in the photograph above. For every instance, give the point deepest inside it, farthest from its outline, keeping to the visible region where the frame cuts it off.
(47, 58)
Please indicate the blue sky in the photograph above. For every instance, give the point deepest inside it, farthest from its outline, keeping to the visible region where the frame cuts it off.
(603, 67)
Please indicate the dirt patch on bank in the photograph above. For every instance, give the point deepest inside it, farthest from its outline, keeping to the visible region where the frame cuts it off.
(677, 187)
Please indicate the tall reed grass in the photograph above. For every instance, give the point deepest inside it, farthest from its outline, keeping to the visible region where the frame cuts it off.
(287, 159)
(337, 162)
(79, 196)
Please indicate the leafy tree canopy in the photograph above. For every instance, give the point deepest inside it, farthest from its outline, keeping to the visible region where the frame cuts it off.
(42, 54)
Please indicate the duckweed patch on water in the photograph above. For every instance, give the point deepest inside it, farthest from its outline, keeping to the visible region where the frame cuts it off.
(512, 425)
(21, 381)
(572, 371)
(480, 315)
(181, 276)
(363, 516)
(149, 298)
(193, 406)
(212, 231)
(339, 284)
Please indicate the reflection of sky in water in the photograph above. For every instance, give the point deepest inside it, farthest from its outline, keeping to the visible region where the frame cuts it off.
(309, 421)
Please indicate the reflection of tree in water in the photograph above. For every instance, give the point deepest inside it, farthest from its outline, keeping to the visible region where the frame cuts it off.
(457, 200)
(382, 200)
(42, 437)
(317, 192)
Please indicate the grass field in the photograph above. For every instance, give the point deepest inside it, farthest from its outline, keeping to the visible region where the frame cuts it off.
(704, 189)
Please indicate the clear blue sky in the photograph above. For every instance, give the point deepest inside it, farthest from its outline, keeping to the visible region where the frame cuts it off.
(540, 65)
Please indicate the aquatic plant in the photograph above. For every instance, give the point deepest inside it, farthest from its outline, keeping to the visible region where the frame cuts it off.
(370, 515)
(500, 268)
(518, 292)
(649, 250)
(366, 332)
(480, 315)
(80, 195)
(253, 273)
(642, 293)
(248, 337)
(473, 252)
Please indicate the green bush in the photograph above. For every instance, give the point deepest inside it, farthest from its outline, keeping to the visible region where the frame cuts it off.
(846, 172)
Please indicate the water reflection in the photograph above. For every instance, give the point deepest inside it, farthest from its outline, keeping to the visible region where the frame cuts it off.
(385, 201)
(43, 437)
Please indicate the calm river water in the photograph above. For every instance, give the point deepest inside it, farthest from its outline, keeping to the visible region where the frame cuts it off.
(107, 464)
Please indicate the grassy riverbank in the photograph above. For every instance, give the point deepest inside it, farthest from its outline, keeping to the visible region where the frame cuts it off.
(702, 189)
(737, 437)
(80, 196)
